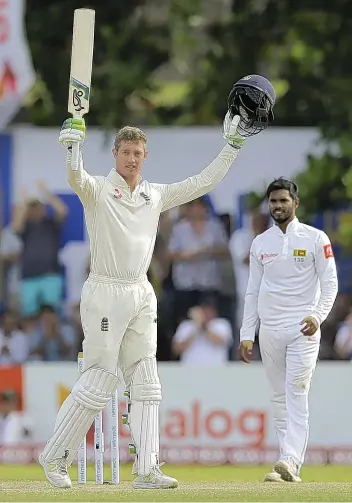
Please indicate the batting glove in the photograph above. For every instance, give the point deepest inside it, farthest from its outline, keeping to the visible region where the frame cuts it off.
(230, 131)
(72, 131)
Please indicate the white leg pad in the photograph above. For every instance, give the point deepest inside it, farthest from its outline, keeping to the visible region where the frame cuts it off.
(91, 393)
(145, 398)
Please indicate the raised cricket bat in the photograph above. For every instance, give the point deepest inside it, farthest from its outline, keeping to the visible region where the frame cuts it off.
(81, 69)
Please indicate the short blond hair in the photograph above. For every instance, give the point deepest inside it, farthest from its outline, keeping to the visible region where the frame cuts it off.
(130, 133)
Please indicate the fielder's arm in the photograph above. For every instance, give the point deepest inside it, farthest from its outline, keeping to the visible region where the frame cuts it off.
(250, 315)
(326, 269)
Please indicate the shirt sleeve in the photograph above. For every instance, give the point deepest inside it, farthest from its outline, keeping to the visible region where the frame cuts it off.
(326, 269)
(86, 187)
(9, 243)
(250, 315)
(184, 331)
(222, 328)
(175, 194)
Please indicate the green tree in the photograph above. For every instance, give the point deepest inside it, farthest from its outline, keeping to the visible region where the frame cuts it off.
(127, 50)
(307, 52)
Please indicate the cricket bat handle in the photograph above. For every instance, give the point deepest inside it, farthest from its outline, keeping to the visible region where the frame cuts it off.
(75, 156)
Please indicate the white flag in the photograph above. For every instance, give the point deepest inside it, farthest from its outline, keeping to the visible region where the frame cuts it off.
(16, 70)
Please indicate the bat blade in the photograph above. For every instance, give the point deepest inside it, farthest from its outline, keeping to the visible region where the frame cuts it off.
(81, 62)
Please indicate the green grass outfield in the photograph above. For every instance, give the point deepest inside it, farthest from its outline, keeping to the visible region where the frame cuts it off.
(197, 483)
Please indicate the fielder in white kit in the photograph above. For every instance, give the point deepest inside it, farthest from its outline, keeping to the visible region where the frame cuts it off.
(291, 290)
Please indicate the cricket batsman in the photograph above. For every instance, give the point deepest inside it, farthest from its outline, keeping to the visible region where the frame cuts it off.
(118, 304)
(291, 290)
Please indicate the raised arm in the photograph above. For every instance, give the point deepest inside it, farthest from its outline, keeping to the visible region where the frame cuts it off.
(84, 185)
(57, 204)
(182, 192)
(19, 216)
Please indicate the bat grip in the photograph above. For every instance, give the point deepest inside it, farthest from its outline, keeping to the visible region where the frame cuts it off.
(75, 156)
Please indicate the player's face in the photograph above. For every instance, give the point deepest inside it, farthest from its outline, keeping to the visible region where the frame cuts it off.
(129, 158)
(281, 205)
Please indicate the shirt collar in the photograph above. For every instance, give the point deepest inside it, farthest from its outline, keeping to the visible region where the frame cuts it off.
(117, 179)
(292, 226)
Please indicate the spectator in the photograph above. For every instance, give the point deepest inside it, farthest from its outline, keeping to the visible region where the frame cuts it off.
(29, 327)
(166, 295)
(205, 338)
(10, 254)
(14, 344)
(15, 426)
(227, 304)
(197, 244)
(41, 278)
(331, 325)
(343, 339)
(240, 244)
(75, 258)
(53, 341)
(78, 329)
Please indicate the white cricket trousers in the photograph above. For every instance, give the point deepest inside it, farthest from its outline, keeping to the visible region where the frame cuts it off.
(119, 320)
(289, 359)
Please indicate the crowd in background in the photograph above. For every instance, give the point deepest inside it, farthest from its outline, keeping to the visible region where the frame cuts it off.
(199, 271)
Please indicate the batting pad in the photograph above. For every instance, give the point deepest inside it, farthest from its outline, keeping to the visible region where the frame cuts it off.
(145, 397)
(91, 393)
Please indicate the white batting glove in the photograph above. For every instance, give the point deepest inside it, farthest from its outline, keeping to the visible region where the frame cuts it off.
(230, 133)
(72, 131)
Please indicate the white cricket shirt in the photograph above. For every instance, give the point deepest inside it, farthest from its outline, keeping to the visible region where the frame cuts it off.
(291, 276)
(202, 351)
(122, 226)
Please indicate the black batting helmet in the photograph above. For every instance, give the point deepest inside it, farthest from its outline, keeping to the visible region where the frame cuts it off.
(252, 98)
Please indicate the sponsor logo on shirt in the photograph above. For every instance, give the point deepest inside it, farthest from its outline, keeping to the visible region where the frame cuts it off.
(299, 253)
(117, 193)
(263, 256)
(145, 197)
(328, 252)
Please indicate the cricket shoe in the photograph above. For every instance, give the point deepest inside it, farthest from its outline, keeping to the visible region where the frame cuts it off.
(56, 471)
(288, 471)
(273, 477)
(155, 480)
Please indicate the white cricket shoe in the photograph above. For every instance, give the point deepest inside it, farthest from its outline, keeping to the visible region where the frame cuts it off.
(273, 477)
(56, 471)
(288, 471)
(155, 480)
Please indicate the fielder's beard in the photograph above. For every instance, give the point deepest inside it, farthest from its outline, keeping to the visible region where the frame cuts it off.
(281, 219)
